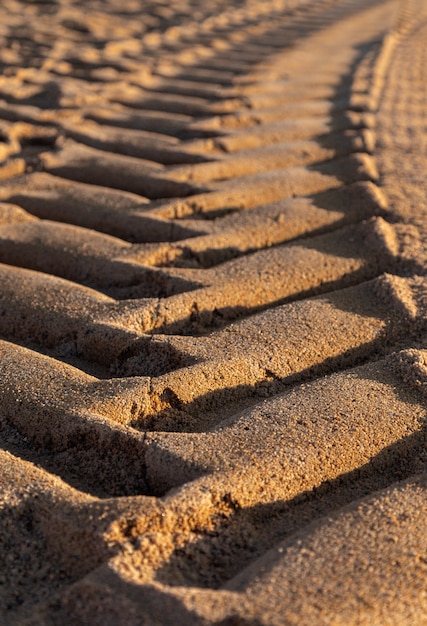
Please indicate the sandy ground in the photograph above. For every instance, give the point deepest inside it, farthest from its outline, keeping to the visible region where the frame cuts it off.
(213, 307)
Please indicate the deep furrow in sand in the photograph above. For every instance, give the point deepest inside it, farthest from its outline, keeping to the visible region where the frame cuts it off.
(212, 313)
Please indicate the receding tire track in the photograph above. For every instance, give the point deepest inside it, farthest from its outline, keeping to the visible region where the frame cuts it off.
(212, 312)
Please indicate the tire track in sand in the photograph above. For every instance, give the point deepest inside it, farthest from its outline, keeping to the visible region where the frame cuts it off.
(212, 314)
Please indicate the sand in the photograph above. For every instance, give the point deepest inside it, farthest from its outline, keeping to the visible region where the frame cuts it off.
(213, 313)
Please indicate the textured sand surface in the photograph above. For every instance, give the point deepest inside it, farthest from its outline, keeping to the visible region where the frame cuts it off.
(213, 313)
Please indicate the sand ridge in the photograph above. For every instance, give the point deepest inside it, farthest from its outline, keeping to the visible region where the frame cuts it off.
(212, 312)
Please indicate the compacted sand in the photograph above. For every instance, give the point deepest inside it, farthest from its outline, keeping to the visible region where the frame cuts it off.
(213, 312)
